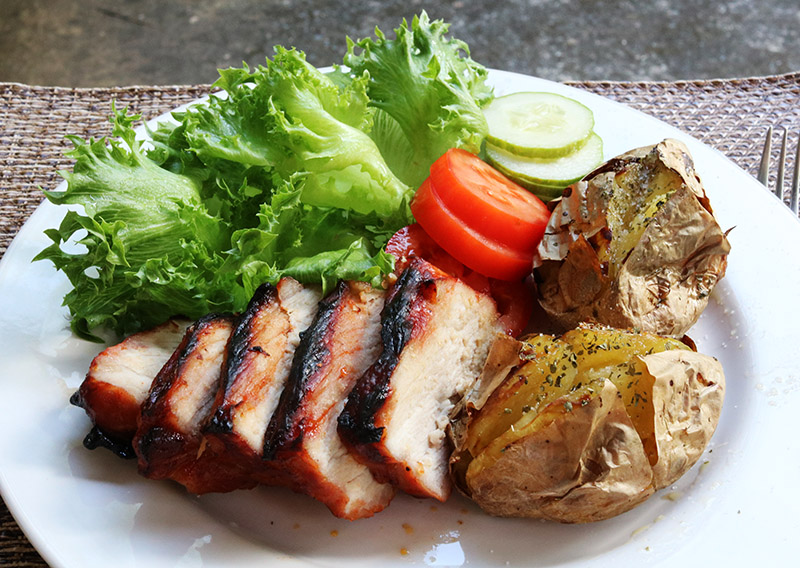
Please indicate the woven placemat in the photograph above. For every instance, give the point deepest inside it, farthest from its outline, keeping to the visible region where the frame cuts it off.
(729, 115)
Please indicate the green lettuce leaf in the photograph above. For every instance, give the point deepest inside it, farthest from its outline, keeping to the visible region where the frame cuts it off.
(145, 246)
(427, 83)
(312, 244)
(291, 118)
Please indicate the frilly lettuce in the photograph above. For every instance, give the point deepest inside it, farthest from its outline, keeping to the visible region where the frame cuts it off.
(290, 117)
(286, 171)
(429, 91)
(146, 239)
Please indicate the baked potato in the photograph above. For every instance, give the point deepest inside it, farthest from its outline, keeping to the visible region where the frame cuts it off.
(633, 245)
(584, 426)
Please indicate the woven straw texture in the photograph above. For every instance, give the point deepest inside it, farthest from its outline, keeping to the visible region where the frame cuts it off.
(729, 115)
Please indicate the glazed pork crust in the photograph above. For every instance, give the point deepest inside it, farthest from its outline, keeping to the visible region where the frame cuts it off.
(258, 360)
(168, 441)
(118, 381)
(345, 399)
(436, 332)
(301, 439)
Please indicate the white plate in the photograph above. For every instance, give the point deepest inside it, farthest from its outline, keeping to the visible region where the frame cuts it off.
(85, 509)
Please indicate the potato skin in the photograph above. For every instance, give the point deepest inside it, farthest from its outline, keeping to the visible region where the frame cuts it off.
(689, 391)
(633, 245)
(584, 459)
(587, 464)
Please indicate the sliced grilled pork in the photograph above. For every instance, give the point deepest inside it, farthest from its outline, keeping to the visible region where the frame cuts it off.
(168, 442)
(436, 333)
(118, 381)
(258, 361)
(301, 439)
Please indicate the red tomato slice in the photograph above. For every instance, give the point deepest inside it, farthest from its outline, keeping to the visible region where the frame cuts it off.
(466, 244)
(487, 201)
(514, 300)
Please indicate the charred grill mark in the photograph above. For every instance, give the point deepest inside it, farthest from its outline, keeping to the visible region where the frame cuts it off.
(397, 324)
(77, 399)
(166, 376)
(96, 438)
(239, 346)
(159, 444)
(240, 339)
(160, 449)
(357, 420)
(221, 422)
(311, 355)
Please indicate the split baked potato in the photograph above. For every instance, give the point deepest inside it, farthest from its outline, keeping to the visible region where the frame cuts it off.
(584, 426)
(633, 245)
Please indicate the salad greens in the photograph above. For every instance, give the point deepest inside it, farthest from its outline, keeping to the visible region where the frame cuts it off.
(429, 94)
(287, 171)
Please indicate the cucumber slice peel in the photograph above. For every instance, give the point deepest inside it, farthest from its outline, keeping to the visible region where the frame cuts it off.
(544, 192)
(538, 125)
(552, 173)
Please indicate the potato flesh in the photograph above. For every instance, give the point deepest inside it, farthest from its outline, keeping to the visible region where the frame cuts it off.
(635, 385)
(638, 195)
(517, 396)
(565, 372)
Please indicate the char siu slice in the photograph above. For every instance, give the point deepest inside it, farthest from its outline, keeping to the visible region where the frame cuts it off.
(118, 381)
(436, 333)
(168, 442)
(301, 439)
(258, 361)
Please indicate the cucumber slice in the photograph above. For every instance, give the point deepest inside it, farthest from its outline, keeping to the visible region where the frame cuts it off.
(544, 192)
(557, 172)
(538, 125)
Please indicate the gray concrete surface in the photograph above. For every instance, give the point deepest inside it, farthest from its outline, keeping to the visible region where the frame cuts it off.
(106, 42)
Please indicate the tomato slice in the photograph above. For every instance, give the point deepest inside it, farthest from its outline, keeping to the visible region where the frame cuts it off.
(514, 300)
(466, 244)
(487, 201)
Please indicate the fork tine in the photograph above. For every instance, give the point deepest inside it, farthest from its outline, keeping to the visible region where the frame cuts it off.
(779, 184)
(795, 180)
(763, 170)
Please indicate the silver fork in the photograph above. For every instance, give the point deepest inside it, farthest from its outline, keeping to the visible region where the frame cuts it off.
(763, 170)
